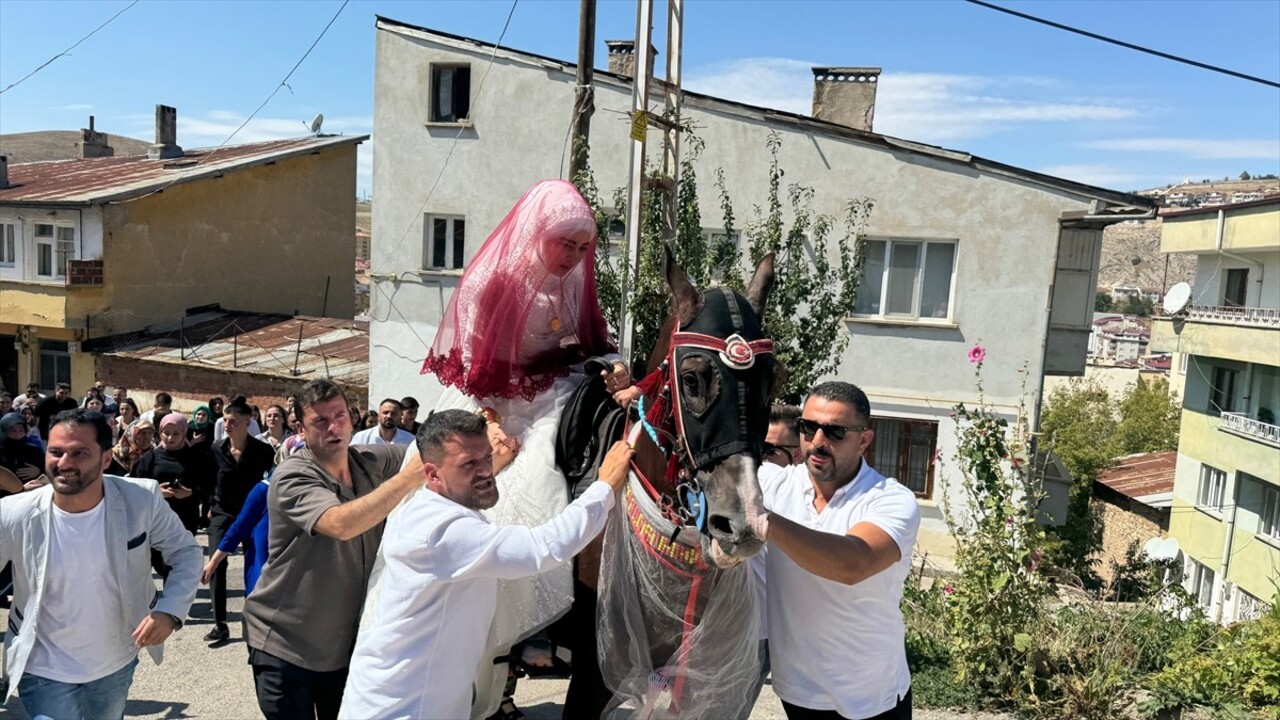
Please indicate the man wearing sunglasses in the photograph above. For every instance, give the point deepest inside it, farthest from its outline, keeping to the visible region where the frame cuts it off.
(782, 442)
(839, 538)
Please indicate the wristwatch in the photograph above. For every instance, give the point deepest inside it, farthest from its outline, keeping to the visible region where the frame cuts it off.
(177, 623)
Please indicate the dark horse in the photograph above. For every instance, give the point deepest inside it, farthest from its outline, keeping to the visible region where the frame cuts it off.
(675, 620)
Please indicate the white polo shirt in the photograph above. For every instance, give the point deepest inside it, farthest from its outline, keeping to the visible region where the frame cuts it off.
(834, 646)
(373, 436)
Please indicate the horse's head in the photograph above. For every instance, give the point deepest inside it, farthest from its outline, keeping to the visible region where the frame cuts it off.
(722, 372)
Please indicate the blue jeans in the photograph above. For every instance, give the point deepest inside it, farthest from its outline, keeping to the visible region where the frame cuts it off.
(100, 699)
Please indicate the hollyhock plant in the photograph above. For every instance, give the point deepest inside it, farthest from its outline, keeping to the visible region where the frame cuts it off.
(977, 354)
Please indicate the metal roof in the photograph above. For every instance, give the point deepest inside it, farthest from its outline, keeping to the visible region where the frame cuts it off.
(1145, 477)
(98, 180)
(302, 348)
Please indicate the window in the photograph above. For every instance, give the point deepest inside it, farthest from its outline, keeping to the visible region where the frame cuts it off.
(446, 238)
(722, 251)
(1222, 394)
(450, 93)
(55, 244)
(55, 363)
(1236, 287)
(8, 245)
(903, 449)
(1201, 583)
(907, 279)
(1269, 518)
(1213, 484)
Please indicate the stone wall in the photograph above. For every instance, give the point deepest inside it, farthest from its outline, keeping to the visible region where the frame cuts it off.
(1124, 522)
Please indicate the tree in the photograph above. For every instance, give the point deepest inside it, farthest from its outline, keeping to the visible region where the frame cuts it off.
(1102, 302)
(817, 264)
(1150, 416)
(1138, 305)
(1245, 175)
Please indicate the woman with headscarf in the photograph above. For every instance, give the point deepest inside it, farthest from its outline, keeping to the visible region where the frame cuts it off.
(200, 428)
(184, 472)
(511, 346)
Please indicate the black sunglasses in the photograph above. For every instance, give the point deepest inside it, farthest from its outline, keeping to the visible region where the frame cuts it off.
(809, 428)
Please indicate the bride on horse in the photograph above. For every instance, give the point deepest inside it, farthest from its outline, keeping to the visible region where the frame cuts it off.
(511, 346)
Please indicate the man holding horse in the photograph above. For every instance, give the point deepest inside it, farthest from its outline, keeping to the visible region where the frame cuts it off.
(840, 536)
(423, 632)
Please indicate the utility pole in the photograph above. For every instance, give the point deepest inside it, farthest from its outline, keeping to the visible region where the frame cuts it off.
(639, 131)
(584, 93)
(640, 121)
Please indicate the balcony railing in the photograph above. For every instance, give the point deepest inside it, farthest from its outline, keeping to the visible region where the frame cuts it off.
(1257, 317)
(1245, 426)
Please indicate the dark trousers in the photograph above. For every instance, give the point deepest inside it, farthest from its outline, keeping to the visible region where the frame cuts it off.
(218, 526)
(288, 692)
(902, 711)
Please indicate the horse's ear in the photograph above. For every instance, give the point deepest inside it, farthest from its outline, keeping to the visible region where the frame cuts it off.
(685, 298)
(761, 283)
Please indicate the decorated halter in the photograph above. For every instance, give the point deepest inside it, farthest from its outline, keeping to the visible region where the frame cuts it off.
(695, 441)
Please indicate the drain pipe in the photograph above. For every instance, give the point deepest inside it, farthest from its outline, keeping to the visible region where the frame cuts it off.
(1225, 567)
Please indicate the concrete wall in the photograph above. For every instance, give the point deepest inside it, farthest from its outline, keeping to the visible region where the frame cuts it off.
(1245, 229)
(264, 239)
(1006, 229)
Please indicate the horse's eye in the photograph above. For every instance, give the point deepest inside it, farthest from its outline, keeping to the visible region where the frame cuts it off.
(689, 383)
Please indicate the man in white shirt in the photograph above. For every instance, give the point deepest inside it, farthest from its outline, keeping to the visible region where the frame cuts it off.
(84, 602)
(425, 622)
(162, 406)
(839, 537)
(388, 431)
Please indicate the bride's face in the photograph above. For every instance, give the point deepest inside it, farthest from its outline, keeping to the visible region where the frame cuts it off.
(563, 251)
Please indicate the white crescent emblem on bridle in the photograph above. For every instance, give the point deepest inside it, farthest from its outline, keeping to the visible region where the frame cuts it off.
(737, 353)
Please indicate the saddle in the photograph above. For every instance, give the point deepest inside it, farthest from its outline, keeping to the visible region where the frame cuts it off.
(590, 424)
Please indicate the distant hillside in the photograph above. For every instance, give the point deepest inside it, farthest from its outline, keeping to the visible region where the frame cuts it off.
(59, 145)
(1122, 243)
(364, 216)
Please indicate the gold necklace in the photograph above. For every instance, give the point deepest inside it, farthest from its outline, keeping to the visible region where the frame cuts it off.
(555, 317)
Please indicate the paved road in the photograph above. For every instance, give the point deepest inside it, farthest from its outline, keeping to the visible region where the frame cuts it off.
(199, 681)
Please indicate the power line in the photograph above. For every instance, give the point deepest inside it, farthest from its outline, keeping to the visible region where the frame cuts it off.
(283, 83)
(1123, 44)
(48, 62)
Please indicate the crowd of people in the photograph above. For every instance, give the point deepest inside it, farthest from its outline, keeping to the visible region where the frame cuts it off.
(397, 568)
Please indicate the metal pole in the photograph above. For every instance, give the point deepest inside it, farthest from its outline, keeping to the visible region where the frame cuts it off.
(673, 97)
(639, 96)
(298, 352)
(584, 94)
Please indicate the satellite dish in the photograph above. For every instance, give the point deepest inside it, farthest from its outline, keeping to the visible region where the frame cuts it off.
(1161, 548)
(316, 123)
(1177, 299)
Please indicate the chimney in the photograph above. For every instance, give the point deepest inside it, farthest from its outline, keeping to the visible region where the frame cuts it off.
(4, 172)
(166, 134)
(622, 57)
(845, 95)
(93, 144)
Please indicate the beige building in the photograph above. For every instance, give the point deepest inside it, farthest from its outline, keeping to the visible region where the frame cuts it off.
(100, 246)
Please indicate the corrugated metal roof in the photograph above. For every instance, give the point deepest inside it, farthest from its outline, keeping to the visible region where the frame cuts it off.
(1146, 477)
(303, 348)
(95, 180)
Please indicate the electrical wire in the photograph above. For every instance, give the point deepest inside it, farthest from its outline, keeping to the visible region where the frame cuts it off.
(186, 172)
(48, 62)
(1123, 44)
(479, 87)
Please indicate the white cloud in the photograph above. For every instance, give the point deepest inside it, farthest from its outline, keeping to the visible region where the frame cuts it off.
(928, 107)
(77, 107)
(1196, 148)
(214, 127)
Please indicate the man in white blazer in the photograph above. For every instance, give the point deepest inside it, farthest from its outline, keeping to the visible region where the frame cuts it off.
(84, 601)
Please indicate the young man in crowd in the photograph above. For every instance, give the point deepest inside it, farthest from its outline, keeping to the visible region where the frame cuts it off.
(161, 407)
(409, 415)
(430, 615)
(47, 408)
(839, 538)
(32, 396)
(84, 602)
(388, 431)
(326, 508)
(782, 441)
(242, 463)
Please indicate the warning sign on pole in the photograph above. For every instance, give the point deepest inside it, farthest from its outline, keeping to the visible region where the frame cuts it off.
(639, 125)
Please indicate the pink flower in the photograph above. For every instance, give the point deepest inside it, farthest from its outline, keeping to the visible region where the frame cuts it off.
(977, 354)
(937, 455)
(948, 588)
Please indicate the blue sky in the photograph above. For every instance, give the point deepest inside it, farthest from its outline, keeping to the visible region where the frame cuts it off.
(955, 74)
